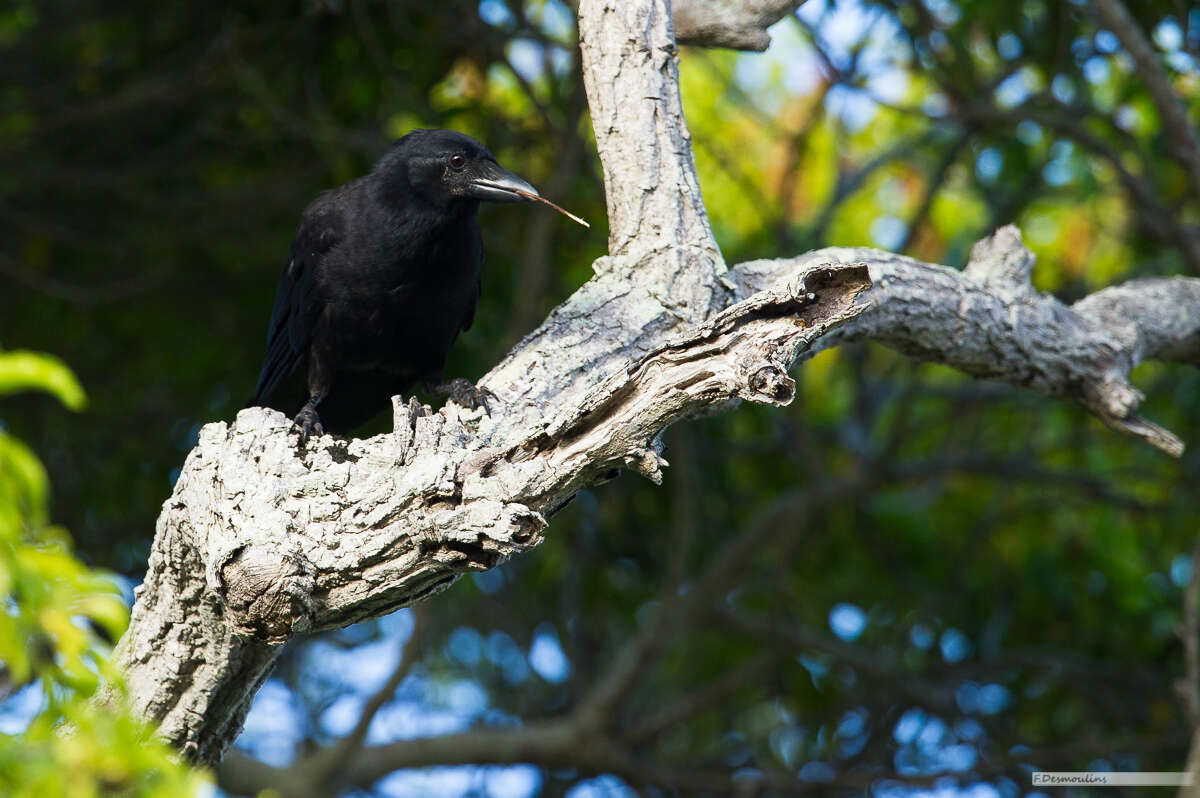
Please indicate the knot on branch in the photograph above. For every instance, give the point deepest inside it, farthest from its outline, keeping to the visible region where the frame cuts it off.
(770, 384)
(266, 592)
(1111, 397)
(1003, 263)
(648, 462)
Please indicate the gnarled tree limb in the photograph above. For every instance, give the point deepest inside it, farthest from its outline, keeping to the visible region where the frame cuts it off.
(990, 322)
(261, 540)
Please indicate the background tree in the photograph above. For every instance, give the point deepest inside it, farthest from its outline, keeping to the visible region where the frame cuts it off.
(152, 176)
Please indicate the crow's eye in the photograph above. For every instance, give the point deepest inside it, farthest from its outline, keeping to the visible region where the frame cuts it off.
(458, 161)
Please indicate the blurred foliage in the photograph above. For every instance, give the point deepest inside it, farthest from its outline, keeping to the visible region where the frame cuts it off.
(1001, 593)
(54, 637)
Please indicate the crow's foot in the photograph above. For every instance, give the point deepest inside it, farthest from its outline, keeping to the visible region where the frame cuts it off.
(463, 392)
(309, 424)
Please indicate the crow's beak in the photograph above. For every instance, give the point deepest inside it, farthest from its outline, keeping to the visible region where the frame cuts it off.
(496, 184)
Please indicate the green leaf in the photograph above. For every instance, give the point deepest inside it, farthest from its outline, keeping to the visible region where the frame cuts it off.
(24, 488)
(21, 370)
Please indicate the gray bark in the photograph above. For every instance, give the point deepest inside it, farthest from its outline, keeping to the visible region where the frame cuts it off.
(990, 322)
(736, 24)
(262, 540)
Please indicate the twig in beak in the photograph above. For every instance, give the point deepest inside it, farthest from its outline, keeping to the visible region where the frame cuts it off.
(545, 201)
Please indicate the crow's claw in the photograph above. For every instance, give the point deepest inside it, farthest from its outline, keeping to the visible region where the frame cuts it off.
(309, 424)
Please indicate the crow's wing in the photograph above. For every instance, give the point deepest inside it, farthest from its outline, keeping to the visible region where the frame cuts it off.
(298, 302)
(469, 310)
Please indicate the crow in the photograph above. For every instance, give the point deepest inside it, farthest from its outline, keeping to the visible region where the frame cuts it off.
(384, 274)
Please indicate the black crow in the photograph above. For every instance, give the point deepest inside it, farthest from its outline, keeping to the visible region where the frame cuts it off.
(384, 275)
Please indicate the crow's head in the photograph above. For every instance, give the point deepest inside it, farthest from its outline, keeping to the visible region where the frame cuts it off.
(444, 166)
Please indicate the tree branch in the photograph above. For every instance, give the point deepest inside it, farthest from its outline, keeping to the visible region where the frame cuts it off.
(261, 540)
(631, 72)
(990, 322)
(582, 738)
(739, 25)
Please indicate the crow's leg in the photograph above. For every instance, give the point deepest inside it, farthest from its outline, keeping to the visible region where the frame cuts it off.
(307, 419)
(461, 391)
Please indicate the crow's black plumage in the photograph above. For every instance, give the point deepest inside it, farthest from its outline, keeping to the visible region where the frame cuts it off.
(384, 275)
